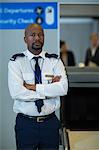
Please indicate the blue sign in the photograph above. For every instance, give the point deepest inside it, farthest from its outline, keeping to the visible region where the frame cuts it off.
(19, 15)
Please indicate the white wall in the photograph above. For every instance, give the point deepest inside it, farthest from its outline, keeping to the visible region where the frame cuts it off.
(76, 35)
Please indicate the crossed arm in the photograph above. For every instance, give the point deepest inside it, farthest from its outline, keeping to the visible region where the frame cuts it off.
(19, 89)
(33, 86)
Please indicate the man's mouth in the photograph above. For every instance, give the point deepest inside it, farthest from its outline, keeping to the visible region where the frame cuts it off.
(37, 45)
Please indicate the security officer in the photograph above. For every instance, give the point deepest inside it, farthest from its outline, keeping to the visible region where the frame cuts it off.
(36, 79)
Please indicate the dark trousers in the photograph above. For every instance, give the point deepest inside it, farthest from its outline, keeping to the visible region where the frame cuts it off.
(32, 135)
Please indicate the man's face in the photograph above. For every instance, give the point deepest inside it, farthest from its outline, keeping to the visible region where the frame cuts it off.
(34, 38)
(64, 48)
(94, 40)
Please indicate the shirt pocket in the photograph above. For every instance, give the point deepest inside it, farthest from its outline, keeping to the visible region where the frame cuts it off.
(29, 77)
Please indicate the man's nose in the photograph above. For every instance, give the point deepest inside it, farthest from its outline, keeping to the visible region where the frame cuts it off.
(37, 37)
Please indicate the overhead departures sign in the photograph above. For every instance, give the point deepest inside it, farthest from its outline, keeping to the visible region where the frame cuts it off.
(19, 15)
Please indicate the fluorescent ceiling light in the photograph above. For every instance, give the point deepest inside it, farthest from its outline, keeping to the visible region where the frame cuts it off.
(75, 20)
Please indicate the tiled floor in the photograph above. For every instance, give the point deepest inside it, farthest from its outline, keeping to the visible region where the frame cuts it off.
(84, 140)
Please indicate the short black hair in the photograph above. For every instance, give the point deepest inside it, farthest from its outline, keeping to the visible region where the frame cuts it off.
(62, 43)
(32, 25)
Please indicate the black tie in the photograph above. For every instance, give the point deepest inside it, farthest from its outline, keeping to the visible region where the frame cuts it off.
(39, 103)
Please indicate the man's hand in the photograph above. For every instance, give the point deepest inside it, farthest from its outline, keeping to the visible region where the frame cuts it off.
(29, 86)
(56, 79)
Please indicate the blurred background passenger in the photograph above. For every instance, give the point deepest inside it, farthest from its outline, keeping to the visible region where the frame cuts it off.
(66, 55)
(92, 53)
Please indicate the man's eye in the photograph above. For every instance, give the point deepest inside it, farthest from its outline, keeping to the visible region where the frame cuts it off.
(40, 34)
(33, 35)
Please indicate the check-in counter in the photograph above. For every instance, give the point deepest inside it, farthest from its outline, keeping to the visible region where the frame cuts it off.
(83, 77)
(80, 108)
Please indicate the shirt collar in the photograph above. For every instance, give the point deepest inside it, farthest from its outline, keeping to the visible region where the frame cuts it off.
(30, 55)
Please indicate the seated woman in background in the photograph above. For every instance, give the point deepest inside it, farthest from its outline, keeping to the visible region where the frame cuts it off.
(66, 55)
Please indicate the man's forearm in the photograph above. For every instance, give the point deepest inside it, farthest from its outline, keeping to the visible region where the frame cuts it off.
(33, 86)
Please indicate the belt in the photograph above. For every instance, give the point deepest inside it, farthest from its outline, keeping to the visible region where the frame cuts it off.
(38, 118)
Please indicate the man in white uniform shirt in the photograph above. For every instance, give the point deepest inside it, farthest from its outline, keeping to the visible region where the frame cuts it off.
(36, 79)
(92, 53)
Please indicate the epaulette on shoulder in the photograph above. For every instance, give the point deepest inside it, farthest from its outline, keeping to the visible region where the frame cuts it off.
(51, 55)
(13, 58)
